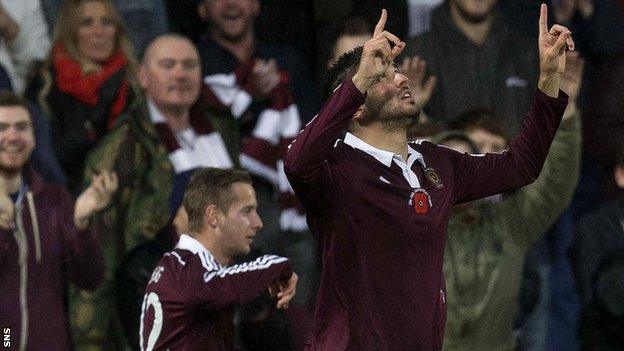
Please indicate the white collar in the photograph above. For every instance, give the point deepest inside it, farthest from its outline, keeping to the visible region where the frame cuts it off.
(155, 115)
(382, 156)
(191, 244)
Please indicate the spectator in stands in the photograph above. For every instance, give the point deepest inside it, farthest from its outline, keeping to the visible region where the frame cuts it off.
(45, 239)
(143, 20)
(155, 146)
(598, 258)
(487, 240)
(264, 86)
(456, 139)
(88, 82)
(24, 40)
(469, 45)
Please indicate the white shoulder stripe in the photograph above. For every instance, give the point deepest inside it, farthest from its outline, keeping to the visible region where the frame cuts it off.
(205, 260)
(177, 256)
(263, 262)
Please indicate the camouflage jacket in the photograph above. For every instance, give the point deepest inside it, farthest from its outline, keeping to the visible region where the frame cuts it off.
(487, 242)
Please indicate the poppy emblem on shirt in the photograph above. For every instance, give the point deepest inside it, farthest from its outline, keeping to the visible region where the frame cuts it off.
(420, 200)
(434, 178)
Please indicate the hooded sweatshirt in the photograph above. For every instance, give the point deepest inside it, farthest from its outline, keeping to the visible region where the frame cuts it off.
(37, 259)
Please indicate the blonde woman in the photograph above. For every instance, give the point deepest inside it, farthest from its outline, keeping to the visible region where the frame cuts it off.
(88, 82)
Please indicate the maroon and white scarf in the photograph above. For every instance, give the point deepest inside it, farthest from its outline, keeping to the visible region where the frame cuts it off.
(205, 147)
(275, 127)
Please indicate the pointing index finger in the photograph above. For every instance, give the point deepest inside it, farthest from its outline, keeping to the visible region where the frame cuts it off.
(543, 20)
(379, 28)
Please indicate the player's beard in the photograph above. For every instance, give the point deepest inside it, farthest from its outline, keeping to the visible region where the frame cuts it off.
(397, 117)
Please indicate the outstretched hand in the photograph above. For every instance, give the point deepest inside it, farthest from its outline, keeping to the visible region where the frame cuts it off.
(96, 197)
(553, 45)
(377, 55)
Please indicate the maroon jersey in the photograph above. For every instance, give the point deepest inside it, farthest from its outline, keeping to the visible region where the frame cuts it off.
(188, 300)
(381, 221)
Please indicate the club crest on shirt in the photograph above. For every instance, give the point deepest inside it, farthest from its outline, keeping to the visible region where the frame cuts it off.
(434, 177)
(420, 201)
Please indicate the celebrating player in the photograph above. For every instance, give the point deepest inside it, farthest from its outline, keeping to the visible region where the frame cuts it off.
(379, 206)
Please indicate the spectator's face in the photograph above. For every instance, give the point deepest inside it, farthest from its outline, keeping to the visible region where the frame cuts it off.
(486, 141)
(474, 11)
(390, 102)
(171, 73)
(241, 222)
(459, 145)
(96, 32)
(230, 19)
(346, 43)
(17, 140)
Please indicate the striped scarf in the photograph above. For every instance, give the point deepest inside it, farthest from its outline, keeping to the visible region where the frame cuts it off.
(275, 127)
(207, 148)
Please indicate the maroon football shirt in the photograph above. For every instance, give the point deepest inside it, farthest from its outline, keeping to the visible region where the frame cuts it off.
(188, 300)
(382, 240)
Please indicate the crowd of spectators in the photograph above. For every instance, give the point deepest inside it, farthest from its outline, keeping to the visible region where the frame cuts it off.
(154, 90)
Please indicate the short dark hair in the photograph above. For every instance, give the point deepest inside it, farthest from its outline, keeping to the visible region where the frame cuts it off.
(345, 66)
(9, 98)
(210, 186)
(479, 118)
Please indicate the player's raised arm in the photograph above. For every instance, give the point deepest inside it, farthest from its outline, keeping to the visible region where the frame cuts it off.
(349, 79)
(521, 164)
(378, 54)
(552, 44)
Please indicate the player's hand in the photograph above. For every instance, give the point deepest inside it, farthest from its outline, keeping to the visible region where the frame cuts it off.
(377, 55)
(96, 197)
(552, 45)
(7, 211)
(414, 69)
(265, 77)
(284, 291)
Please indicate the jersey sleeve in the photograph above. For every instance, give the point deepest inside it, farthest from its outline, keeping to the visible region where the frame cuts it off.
(479, 176)
(215, 287)
(305, 163)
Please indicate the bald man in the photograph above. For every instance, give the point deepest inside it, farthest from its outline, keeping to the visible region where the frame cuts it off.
(154, 148)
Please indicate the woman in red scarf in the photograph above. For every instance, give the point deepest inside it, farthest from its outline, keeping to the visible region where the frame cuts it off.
(88, 82)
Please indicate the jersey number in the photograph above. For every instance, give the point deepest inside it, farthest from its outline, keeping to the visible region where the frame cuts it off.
(152, 300)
